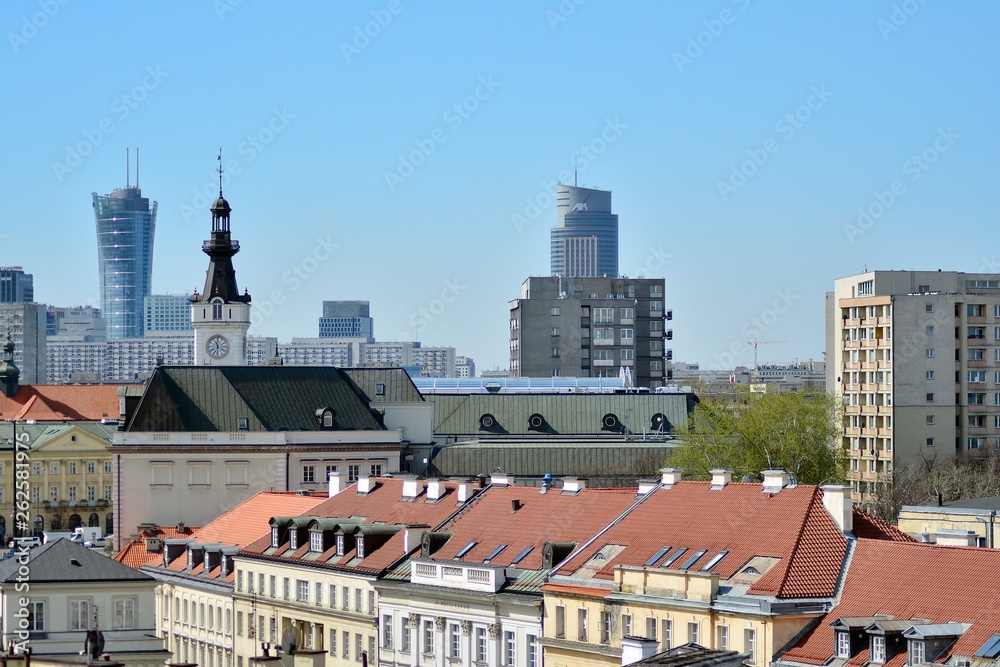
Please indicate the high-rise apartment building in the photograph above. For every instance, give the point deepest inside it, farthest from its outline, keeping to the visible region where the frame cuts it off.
(16, 286)
(126, 224)
(346, 319)
(465, 367)
(591, 327)
(26, 322)
(75, 321)
(166, 312)
(584, 241)
(915, 357)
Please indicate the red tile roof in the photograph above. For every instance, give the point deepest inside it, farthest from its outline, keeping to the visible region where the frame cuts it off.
(62, 402)
(912, 580)
(135, 554)
(551, 516)
(384, 504)
(250, 519)
(792, 526)
(870, 527)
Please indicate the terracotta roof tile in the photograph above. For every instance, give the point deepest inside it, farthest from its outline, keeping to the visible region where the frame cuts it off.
(912, 580)
(135, 554)
(250, 519)
(870, 527)
(62, 402)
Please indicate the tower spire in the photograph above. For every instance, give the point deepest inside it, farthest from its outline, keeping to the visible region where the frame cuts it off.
(220, 172)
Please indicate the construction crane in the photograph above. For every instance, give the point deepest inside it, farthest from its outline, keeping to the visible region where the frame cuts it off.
(754, 343)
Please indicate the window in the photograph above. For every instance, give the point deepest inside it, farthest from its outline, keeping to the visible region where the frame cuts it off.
(319, 593)
(345, 598)
(723, 638)
(627, 334)
(274, 537)
(72, 468)
(54, 468)
(274, 586)
(359, 646)
(555, 311)
(79, 614)
(930, 442)
(54, 494)
(929, 308)
(239, 624)
(454, 640)
(626, 625)
(930, 397)
(72, 494)
(917, 653)
(357, 600)
(480, 644)
(843, 645)
(555, 331)
(866, 288)
(977, 442)
(973, 399)
(977, 376)
(878, 649)
(91, 467)
(605, 627)
(107, 492)
(629, 355)
(929, 352)
(975, 310)
(125, 614)
(560, 622)
(604, 334)
(332, 648)
(693, 632)
(287, 584)
(36, 616)
(376, 470)
(929, 375)
(929, 330)
(666, 634)
(750, 644)
(604, 315)
(509, 649)
(975, 353)
(386, 631)
(91, 493)
(629, 313)
(976, 333)
(308, 474)
(353, 472)
(581, 618)
(316, 541)
(371, 602)
(930, 420)
(532, 641)
(428, 637)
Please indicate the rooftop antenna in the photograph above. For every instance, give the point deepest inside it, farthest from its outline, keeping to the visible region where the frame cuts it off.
(127, 168)
(220, 172)
(574, 170)
(136, 167)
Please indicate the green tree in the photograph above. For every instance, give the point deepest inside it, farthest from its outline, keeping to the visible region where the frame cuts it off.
(752, 432)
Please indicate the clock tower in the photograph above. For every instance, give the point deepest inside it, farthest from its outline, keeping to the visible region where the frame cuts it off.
(220, 315)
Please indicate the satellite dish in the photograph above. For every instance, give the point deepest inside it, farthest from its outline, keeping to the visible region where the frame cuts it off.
(290, 638)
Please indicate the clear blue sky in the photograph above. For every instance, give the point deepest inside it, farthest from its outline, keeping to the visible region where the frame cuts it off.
(332, 112)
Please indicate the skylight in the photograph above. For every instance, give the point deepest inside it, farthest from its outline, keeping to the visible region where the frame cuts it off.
(466, 549)
(715, 561)
(677, 554)
(495, 553)
(521, 556)
(693, 559)
(657, 556)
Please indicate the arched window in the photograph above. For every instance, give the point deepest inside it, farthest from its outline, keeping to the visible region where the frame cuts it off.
(74, 521)
(94, 521)
(55, 523)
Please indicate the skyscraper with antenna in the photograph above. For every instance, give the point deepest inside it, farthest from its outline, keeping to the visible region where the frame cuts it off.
(126, 224)
(584, 242)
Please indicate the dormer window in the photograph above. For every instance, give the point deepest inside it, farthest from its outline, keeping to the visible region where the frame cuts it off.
(326, 418)
(316, 541)
(190, 559)
(275, 539)
(293, 538)
(878, 649)
(843, 645)
(360, 546)
(917, 652)
(340, 545)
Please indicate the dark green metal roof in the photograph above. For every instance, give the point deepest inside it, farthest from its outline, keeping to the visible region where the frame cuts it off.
(396, 382)
(271, 398)
(566, 414)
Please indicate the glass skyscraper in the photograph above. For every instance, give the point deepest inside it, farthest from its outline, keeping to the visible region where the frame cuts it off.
(126, 223)
(584, 242)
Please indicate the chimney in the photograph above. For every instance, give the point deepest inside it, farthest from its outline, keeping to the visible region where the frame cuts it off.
(412, 536)
(647, 486)
(365, 485)
(775, 480)
(435, 489)
(465, 490)
(720, 477)
(180, 526)
(515, 505)
(501, 479)
(635, 649)
(411, 487)
(573, 485)
(335, 483)
(671, 476)
(837, 501)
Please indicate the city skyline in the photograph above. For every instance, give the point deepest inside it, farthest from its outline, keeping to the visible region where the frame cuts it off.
(756, 151)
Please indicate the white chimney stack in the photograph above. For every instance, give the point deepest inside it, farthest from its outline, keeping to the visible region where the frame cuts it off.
(837, 501)
(412, 536)
(336, 483)
(365, 485)
(635, 649)
(573, 485)
(435, 489)
(776, 480)
(411, 487)
(501, 479)
(671, 476)
(465, 490)
(647, 486)
(720, 477)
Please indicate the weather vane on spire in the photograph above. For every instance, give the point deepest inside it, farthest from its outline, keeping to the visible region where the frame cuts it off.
(220, 172)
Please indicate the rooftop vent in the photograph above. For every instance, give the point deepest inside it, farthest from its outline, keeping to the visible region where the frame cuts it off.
(776, 480)
(465, 490)
(501, 479)
(435, 489)
(411, 487)
(671, 476)
(573, 485)
(335, 482)
(365, 485)
(647, 485)
(720, 477)
(515, 505)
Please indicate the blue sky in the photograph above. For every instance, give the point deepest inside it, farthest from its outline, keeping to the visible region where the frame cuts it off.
(740, 139)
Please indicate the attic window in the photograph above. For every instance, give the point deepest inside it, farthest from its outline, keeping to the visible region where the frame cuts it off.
(340, 545)
(714, 561)
(878, 648)
(466, 549)
(521, 556)
(677, 554)
(380, 389)
(752, 571)
(843, 645)
(327, 419)
(657, 556)
(359, 545)
(495, 553)
(244, 423)
(293, 538)
(917, 652)
(274, 537)
(316, 541)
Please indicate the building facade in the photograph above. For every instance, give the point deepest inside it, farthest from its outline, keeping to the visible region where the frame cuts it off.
(465, 367)
(346, 319)
(166, 312)
(16, 286)
(591, 327)
(915, 357)
(126, 226)
(584, 242)
(26, 322)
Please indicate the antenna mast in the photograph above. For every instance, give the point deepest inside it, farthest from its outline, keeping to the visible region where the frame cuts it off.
(128, 169)
(136, 167)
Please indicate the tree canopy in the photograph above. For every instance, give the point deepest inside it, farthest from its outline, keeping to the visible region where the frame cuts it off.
(752, 432)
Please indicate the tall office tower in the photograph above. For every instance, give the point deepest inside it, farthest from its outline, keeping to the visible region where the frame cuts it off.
(26, 322)
(126, 224)
(346, 319)
(915, 357)
(16, 286)
(584, 241)
(591, 327)
(166, 312)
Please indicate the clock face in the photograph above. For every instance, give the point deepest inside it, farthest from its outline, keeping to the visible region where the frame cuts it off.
(217, 346)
